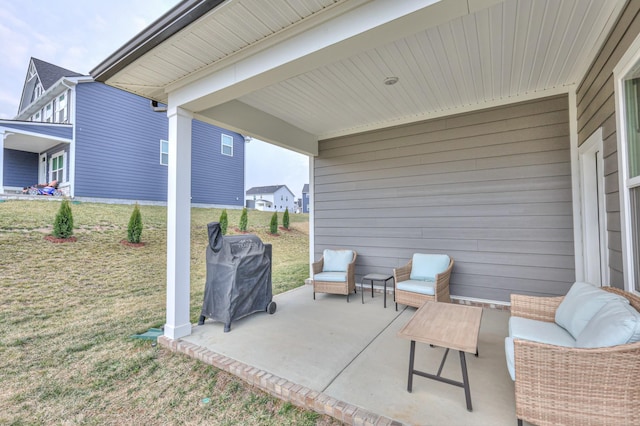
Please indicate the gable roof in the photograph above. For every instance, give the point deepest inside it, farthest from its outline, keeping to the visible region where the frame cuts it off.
(266, 189)
(305, 188)
(47, 75)
(50, 73)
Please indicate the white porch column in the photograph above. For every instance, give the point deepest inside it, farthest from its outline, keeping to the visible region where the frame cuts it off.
(178, 224)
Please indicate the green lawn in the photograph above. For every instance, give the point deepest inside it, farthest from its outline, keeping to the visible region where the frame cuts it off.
(66, 311)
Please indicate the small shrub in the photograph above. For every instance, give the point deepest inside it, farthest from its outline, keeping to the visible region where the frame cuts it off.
(285, 218)
(273, 227)
(134, 230)
(63, 224)
(244, 221)
(224, 222)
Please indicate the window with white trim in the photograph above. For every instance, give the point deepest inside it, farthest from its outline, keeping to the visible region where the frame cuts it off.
(37, 116)
(61, 109)
(628, 87)
(164, 152)
(56, 167)
(227, 145)
(48, 113)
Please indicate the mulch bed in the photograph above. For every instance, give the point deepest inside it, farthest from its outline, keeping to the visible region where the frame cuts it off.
(128, 244)
(53, 239)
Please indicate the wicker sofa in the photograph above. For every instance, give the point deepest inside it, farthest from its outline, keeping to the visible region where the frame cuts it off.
(335, 272)
(428, 281)
(589, 383)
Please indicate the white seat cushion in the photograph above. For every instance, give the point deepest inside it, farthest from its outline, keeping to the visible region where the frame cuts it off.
(427, 266)
(336, 277)
(617, 323)
(336, 260)
(509, 351)
(418, 286)
(540, 331)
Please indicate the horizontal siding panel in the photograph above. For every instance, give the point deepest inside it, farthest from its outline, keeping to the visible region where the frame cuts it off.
(475, 150)
(20, 168)
(524, 172)
(487, 187)
(532, 222)
(490, 188)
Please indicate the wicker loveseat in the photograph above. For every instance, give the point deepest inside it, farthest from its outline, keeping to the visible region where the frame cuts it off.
(335, 272)
(589, 383)
(424, 278)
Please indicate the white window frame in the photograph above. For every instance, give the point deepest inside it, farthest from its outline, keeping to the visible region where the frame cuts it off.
(48, 113)
(628, 64)
(228, 144)
(63, 157)
(61, 107)
(162, 152)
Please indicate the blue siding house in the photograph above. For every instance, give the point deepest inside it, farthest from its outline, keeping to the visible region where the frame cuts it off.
(103, 143)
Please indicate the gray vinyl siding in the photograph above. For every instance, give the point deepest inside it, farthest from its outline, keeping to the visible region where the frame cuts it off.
(490, 188)
(118, 151)
(596, 108)
(20, 168)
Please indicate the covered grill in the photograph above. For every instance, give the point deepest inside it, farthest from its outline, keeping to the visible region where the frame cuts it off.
(238, 277)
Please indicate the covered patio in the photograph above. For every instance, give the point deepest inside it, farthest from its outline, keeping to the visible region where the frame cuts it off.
(490, 130)
(346, 360)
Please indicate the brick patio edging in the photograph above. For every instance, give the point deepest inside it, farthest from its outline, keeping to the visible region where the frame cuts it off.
(283, 389)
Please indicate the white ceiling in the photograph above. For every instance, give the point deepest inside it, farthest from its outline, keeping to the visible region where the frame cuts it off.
(449, 57)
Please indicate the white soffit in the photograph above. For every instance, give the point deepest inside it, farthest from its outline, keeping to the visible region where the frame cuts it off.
(505, 52)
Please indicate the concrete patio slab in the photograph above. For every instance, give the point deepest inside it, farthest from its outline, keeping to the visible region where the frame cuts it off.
(343, 355)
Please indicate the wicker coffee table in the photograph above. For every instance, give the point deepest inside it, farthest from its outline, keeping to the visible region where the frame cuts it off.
(449, 326)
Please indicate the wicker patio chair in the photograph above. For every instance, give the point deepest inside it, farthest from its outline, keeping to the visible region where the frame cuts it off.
(556, 385)
(410, 298)
(329, 282)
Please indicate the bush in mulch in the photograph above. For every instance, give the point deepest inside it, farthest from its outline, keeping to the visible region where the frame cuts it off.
(134, 229)
(63, 223)
(285, 219)
(224, 222)
(273, 226)
(244, 221)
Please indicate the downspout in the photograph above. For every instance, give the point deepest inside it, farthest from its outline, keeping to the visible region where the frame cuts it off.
(71, 102)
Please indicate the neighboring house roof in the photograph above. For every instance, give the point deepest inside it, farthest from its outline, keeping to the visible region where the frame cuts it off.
(266, 189)
(305, 188)
(47, 75)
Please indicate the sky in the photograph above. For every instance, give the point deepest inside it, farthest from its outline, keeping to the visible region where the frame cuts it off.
(79, 34)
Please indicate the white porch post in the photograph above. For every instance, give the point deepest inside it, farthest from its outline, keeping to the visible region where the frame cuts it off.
(178, 224)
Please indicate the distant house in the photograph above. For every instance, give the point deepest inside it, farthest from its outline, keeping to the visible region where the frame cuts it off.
(305, 198)
(271, 198)
(100, 142)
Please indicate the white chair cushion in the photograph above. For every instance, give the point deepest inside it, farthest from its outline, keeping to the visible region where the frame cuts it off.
(336, 277)
(427, 266)
(510, 353)
(540, 331)
(617, 323)
(418, 286)
(336, 260)
(580, 304)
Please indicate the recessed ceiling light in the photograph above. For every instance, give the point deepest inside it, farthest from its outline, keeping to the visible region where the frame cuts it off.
(390, 81)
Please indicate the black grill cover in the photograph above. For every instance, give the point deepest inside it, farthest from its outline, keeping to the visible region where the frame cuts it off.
(238, 277)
